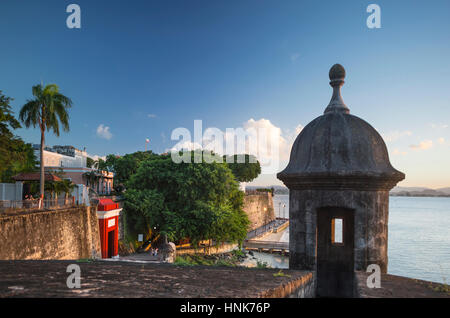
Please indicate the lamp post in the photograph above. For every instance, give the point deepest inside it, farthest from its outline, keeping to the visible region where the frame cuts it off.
(284, 209)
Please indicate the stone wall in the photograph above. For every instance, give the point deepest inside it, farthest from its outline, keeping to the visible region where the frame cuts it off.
(259, 208)
(64, 234)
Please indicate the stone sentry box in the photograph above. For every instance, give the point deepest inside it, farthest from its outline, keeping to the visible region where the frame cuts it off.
(339, 168)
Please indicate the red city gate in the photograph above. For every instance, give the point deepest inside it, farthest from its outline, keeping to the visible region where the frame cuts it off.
(108, 219)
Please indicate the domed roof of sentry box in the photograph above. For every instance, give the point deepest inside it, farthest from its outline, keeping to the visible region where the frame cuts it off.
(339, 150)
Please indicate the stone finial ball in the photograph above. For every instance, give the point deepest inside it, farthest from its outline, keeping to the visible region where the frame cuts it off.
(337, 71)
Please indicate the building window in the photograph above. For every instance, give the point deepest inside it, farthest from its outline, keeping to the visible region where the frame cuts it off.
(337, 235)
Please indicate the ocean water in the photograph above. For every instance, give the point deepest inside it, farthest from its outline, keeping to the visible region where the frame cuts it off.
(418, 241)
(419, 238)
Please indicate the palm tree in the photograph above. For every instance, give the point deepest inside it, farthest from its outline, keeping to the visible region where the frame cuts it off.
(44, 110)
(100, 165)
(67, 187)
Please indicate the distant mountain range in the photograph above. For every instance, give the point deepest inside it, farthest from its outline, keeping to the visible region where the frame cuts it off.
(397, 191)
(420, 192)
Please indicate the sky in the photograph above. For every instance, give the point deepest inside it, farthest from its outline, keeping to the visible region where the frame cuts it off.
(140, 69)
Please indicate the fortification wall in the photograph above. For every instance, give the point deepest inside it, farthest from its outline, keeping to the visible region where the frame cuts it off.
(259, 208)
(71, 233)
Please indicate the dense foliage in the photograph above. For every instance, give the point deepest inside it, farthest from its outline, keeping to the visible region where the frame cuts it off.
(198, 201)
(89, 162)
(122, 166)
(244, 171)
(15, 155)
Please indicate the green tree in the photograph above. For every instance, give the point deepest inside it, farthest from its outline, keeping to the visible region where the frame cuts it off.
(20, 159)
(15, 155)
(124, 167)
(199, 201)
(89, 162)
(7, 119)
(65, 186)
(110, 162)
(47, 110)
(245, 171)
(100, 165)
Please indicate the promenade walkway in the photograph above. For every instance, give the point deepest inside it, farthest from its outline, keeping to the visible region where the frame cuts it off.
(267, 238)
(267, 228)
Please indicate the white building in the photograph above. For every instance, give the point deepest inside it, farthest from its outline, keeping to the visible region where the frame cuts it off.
(62, 157)
(73, 163)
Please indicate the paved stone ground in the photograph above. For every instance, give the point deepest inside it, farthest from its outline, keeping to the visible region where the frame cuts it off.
(127, 279)
(400, 287)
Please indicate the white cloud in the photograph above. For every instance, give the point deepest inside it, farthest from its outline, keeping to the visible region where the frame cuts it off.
(261, 138)
(439, 126)
(187, 145)
(397, 152)
(269, 138)
(104, 132)
(267, 142)
(396, 135)
(298, 129)
(277, 148)
(96, 157)
(423, 145)
(151, 116)
(290, 135)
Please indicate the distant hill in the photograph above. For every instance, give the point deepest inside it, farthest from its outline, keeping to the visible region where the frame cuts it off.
(402, 189)
(445, 190)
(420, 192)
(396, 191)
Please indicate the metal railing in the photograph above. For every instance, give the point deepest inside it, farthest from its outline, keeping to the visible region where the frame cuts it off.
(266, 244)
(265, 228)
(11, 206)
(256, 192)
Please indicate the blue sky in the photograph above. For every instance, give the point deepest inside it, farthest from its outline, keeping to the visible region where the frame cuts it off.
(144, 68)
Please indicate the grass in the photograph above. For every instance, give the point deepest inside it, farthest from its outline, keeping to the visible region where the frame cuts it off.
(281, 274)
(261, 264)
(85, 260)
(444, 288)
(183, 261)
(196, 259)
(231, 259)
(238, 253)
